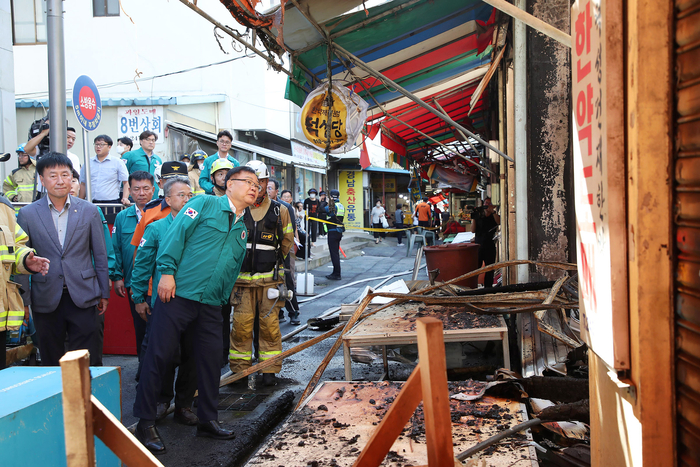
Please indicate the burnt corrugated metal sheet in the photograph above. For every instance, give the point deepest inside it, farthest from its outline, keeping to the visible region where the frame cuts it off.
(687, 218)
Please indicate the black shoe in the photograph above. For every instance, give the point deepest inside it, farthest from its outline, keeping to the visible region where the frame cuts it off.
(149, 437)
(332, 277)
(185, 416)
(269, 379)
(211, 429)
(162, 410)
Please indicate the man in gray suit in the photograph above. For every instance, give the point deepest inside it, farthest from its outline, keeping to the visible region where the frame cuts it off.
(68, 231)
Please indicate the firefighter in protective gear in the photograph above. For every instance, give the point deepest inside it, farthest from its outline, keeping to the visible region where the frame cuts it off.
(19, 185)
(336, 213)
(16, 259)
(219, 169)
(195, 169)
(260, 284)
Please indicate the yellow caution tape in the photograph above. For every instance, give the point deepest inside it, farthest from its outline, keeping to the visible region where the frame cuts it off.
(372, 229)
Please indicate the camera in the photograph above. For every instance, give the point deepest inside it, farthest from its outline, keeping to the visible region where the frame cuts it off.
(37, 127)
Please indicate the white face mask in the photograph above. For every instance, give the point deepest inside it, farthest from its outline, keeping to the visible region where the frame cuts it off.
(120, 150)
(200, 165)
(312, 196)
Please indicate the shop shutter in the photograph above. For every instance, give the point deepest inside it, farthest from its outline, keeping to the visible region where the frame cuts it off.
(687, 224)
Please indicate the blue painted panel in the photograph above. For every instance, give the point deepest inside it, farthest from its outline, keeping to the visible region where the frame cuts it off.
(31, 414)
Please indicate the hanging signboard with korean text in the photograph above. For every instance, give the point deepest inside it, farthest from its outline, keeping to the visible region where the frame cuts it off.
(348, 115)
(601, 268)
(132, 121)
(351, 193)
(87, 104)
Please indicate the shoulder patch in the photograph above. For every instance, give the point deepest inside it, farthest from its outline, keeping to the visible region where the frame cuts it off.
(189, 212)
(142, 242)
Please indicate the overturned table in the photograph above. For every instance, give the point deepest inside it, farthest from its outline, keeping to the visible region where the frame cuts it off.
(396, 325)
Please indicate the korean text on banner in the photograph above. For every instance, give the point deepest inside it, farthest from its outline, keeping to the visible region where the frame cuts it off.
(351, 192)
(600, 328)
(132, 121)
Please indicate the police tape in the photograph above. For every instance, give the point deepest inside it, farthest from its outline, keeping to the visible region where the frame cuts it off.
(372, 229)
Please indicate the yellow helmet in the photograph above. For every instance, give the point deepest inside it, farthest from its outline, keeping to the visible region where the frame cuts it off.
(221, 164)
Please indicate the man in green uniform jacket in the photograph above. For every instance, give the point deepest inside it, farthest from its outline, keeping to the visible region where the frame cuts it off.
(223, 142)
(199, 262)
(143, 157)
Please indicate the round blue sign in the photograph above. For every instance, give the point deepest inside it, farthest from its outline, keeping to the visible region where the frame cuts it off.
(86, 103)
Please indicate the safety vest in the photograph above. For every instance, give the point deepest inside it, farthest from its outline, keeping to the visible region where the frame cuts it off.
(337, 217)
(263, 240)
(12, 254)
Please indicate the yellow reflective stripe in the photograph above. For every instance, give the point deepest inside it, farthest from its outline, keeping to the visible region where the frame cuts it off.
(240, 356)
(198, 192)
(3, 315)
(7, 258)
(288, 229)
(246, 276)
(10, 194)
(268, 355)
(15, 318)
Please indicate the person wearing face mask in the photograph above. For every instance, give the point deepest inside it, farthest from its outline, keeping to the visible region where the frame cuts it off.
(378, 213)
(19, 185)
(311, 206)
(194, 171)
(124, 145)
(322, 203)
(219, 169)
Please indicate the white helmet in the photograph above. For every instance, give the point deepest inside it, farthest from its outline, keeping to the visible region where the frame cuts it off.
(260, 169)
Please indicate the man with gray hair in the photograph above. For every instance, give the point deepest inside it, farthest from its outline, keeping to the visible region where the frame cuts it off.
(177, 191)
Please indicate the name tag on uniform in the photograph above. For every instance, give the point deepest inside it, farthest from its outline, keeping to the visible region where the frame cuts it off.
(266, 236)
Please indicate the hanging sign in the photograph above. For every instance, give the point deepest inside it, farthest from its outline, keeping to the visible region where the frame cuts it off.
(348, 114)
(604, 317)
(351, 194)
(86, 103)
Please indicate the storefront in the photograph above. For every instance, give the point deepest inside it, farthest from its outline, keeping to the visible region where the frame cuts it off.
(390, 186)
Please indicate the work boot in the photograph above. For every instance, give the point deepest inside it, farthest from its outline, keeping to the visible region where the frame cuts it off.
(185, 416)
(269, 379)
(162, 410)
(212, 429)
(147, 433)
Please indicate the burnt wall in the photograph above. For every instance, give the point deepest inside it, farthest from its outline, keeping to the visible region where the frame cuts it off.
(551, 224)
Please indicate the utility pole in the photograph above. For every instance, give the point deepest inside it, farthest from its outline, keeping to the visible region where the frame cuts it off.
(57, 77)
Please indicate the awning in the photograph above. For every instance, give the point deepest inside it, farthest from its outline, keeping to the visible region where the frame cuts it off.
(128, 101)
(438, 50)
(372, 168)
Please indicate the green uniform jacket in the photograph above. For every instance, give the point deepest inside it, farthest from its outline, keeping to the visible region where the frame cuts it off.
(137, 160)
(145, 263)
(111, 260)
(123, 230)
(202, 252)
(205, 175)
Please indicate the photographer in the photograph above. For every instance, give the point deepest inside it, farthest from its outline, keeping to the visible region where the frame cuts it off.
(485, 222)
(39, 143)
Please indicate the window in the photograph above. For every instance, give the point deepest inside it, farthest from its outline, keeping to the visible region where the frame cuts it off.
(29, 21)
(105, 8)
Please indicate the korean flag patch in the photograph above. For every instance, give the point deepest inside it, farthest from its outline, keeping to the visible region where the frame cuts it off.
(142, 242)
(189, 212)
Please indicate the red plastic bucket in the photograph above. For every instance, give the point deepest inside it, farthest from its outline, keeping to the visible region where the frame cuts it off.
(454, 260)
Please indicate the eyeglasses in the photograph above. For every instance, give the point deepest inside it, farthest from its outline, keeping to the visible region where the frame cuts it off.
(183, 195)
(224, 142)
(250, 183)
(101, 145)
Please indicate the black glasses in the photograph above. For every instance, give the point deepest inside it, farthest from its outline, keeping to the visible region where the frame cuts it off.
(250, 183)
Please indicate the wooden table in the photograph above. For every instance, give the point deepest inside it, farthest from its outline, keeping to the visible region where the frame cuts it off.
(335, 423)
(396, 326)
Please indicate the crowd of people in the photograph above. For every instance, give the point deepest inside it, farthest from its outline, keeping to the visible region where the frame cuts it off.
(203, 249)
